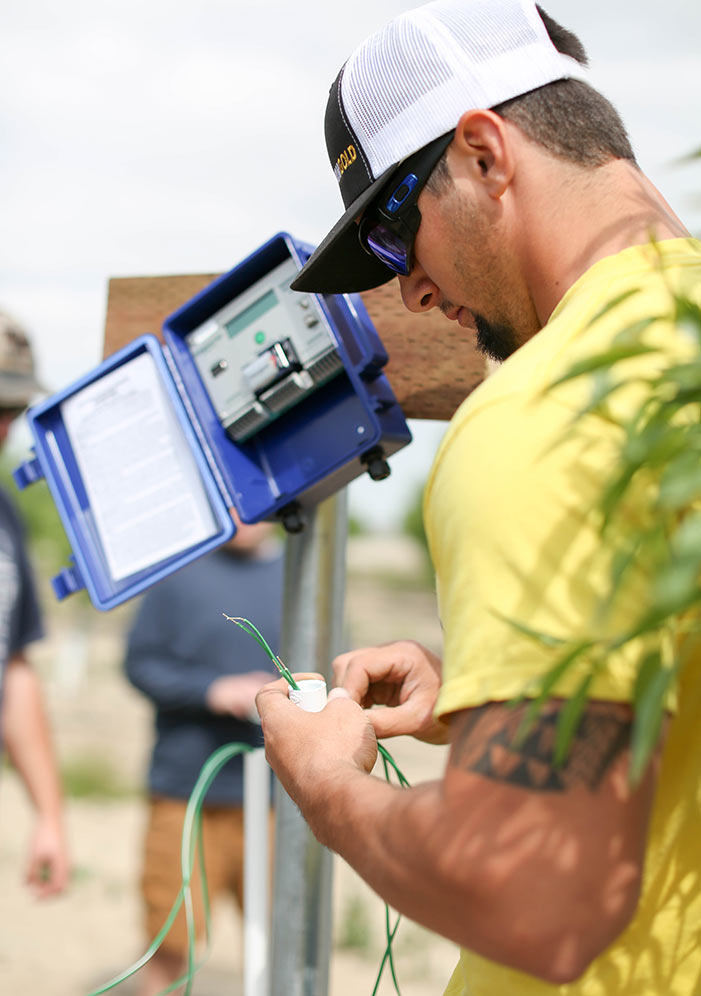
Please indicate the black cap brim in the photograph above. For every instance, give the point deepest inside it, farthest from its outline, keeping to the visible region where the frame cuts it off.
(340, 265)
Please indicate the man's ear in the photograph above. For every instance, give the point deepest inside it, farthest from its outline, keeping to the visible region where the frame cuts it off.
(482, 149)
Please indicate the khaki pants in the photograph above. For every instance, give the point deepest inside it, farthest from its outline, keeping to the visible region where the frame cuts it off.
(161, 880)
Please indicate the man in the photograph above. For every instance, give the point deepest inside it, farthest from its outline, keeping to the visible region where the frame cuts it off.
(476, 164)
(202, 674)
(24, 728)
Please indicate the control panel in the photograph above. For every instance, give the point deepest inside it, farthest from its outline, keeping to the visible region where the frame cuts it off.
(263, 352)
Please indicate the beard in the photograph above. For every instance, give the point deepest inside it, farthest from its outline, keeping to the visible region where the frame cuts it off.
(495, 340)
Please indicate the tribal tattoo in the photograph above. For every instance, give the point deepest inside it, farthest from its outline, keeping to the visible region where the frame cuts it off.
(489, 745)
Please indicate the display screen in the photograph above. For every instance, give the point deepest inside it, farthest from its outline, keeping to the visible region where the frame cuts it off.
(251, 313)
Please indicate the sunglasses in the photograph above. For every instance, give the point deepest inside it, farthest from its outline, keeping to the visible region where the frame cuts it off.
(388, 227)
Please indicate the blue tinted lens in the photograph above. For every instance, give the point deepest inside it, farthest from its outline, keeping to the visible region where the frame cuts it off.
(387, 246)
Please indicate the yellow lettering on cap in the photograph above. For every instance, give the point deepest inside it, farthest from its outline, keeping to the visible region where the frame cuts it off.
(346, 159)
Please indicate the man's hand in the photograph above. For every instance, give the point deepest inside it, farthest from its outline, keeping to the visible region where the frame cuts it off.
(235, 694)
(306, 750)
(48, 868)
(403, 676)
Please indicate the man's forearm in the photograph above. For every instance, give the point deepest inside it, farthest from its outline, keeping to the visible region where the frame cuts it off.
(401, 843)
(388, 835)
(28, 739)
(516, 871)
(29, 745)
(480, 870)
(170, 682)
(432, 854)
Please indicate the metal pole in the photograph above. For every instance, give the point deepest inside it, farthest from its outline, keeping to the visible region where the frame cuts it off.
(256, 904)
(312, 633)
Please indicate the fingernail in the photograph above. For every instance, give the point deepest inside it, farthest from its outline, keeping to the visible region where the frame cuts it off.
(337, 693)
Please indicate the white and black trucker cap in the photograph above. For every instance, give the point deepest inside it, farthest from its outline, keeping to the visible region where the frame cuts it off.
(408, 84)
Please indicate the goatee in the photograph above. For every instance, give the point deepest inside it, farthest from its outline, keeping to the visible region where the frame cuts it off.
(494, 339)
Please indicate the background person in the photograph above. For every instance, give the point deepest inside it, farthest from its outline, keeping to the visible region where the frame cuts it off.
(475, 162)
(24, 726)
(202, 674)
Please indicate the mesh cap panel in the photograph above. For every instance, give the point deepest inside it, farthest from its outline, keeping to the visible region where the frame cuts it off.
(488, 23)
(412, 80)
(403, 61)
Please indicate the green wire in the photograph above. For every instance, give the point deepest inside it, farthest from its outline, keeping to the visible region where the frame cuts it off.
(249, 628)
(388, 759)
(192, 834)
(388, 956)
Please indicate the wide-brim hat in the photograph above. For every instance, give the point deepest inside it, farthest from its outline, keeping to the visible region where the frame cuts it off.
(19, 384)
(405, 86)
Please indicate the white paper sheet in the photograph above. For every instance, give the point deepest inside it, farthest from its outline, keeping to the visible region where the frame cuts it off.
(144, 486)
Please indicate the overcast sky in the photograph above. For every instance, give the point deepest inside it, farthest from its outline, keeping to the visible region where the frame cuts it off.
(145, 137)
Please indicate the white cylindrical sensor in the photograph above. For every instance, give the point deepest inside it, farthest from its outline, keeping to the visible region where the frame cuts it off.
(311, 694)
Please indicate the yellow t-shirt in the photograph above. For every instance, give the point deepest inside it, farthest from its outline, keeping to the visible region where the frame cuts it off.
(509, 520)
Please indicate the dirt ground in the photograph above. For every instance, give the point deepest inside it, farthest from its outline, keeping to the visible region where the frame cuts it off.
(75, 943)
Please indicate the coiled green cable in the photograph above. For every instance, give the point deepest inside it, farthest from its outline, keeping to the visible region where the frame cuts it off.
(192, 836)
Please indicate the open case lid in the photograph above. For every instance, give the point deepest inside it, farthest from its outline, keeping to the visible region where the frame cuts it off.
(262, 400)
(130, 480)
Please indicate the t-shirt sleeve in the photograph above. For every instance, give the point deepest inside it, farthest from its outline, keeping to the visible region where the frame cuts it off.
(515, 537)
(20, 610)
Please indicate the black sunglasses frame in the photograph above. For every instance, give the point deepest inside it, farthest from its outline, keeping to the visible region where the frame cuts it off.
(396, 209)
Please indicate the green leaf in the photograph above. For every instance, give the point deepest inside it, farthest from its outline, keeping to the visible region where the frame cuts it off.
(614, 494)
(601, 361)
(655, 618)
(545, 638)
(547, 685)
(613, 303)
(686, 542)
(683, 375)
(689, 157)
(675, 586)
(688, 313)
(602, 388)
(622, 561)
(632, 333)
(569, 718)
(655, 442)
(680, 484)
(651, 687)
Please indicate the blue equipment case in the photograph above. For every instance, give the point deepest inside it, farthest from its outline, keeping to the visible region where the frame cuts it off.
(307, 432)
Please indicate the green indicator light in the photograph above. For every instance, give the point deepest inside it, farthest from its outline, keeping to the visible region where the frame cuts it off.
(260, 337)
